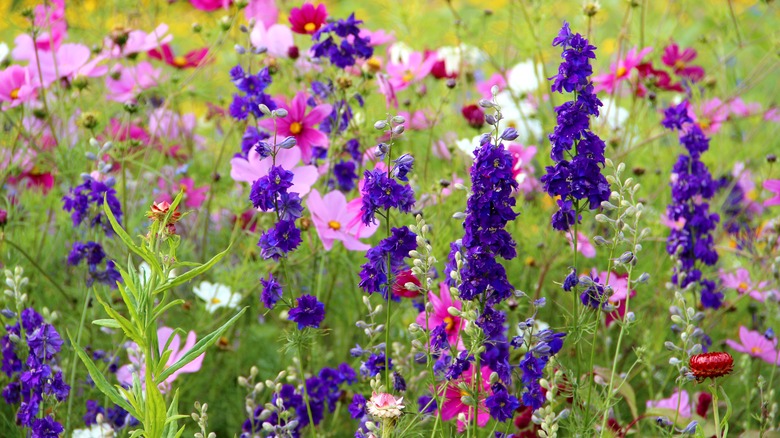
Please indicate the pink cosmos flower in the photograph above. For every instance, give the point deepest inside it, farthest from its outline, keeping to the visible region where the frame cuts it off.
(679, 62)
(139, 41)
(69, 61)
(522, 169)
(131, 81)
(168, 124)
(452, 324)
(308, 19)
(772, 115)
(277, 38)
(711, 115)
(415, 69)
(620, 71)
(757, 345)
(121, 131)
(584, 246)
(772, 185)
(210, 5)
(254, 167)
(191, 59)
(740, 281)
(484, 87)
(441, 146)
(453, 406)
(193, 197)
(745, 182)
(262, 11)
(17, 86)
(332, 221)
(137, 364)
(376, 37)
(51, 20)
(678, 402)
(740, 108)
(301, 125)
(387, 89)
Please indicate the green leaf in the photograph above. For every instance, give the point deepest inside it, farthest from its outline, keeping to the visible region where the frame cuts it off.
(155, 412)
(100, 380)
(199, 348)
(622, 387)
(189, 275)
(126, 325)
(110, 323)
(140, 250)
(160, 309)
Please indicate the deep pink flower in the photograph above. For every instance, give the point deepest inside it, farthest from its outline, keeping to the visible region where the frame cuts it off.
(440, 315)
(332, 220)
(453, 406)
(262, 11)
(522, 169)
(191, 59)
(387, 89)
(772, 114)
(679, 62)
(17, 86)
(757, 345)
(660, 79)
(772, 185)
(740, 281)
(193, 197)
(120, 131)
(441, 146)
(678, 402)
(277, 38)
(51, 21)
(131, 81)
(619, 285)
(301, 125)
(415, 69)
(711, 115)
(620, 71)
(137, 364)
(584, 246)
(399, 284)
(253, 168)
(210, 5)
(308, 19)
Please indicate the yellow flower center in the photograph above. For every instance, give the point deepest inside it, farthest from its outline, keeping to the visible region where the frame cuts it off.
(450, 323)
(374, 64)
(179, 61)
(704, 123)
(755, 350)
(215, 300)
(309, 27)
(183, 188)
(296, 128)
(742, 287)
(408, 76)
(334, 225)
(621, 71)
(679, 64)
(15, 93)
(732, 244)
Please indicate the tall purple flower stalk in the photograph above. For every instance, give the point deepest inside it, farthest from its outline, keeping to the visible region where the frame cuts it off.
(577, 152)
(692, 186)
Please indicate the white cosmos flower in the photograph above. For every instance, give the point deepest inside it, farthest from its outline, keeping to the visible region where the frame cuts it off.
(217, 295)
(615, 116)
(399, 53)
(3, 51)
(520, 117)
(524, 77)
(468, 146)
(452, 56)
(96, 431)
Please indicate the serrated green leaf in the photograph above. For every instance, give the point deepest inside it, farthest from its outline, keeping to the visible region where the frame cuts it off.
(198, 348)
(192, 273)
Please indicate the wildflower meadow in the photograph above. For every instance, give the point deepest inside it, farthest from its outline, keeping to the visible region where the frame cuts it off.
(375, 219)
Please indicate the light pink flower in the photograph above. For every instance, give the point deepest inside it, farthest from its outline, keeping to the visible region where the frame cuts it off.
(584, 246)
(740, 281)
(485, 87)
(674, 225)
(740, 108)
(173, 126)
(710, 115)
(332, 219)
(620, 71)
(301, 124)
(678, 399)
(131, 81)
(277, 38)
(757, 345)
(17, 86)
(745, 182)
(69, 61)
(453, 406)
(384, 406)
(441, 146)
(254, 167)
(440, 315)
(137, 364)
(262, 11)
(387, 89)
(415, 69)
(139, 41)
(376, 37)
(210, 5)
(193, 197)
(772, 185)
(772, 115)
(51, 20)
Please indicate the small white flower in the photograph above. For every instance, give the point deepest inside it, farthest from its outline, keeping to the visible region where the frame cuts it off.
(96, 431)
(615, 116)
(468, 146)
(384, 406)
(217, 295)
(452, 57)
(3, 51)
(524, 77)
(399, 53)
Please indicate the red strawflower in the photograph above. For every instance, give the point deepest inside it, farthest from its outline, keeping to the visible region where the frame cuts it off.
(711, 365)
(474, 116)
(192, 59)
(307, 19)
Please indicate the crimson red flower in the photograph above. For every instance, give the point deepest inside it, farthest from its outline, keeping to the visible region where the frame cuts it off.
(399, 287)
(192, 59)
(711, 365)
(307, 19)
(703, 404)
(474, 115)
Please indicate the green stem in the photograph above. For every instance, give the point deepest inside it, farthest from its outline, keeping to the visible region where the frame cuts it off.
(305, 391)
(714, 391)
(75, 357)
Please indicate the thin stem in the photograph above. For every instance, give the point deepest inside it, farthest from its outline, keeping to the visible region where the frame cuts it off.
(734, 20)
(75, 357)
(305, 391)
(714, 391)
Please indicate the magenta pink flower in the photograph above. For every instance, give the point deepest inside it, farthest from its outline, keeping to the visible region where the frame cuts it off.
(415, 69)
(301, 125)
(619, 297)
(210, 5)
(308, 19)
(191, 59)
(277, 38)
(678, 402)
(51, 21)
(711, 115)
(332, 221)
(262, 11)
(620, 71)
(453, 406)
(139, 41)
(485, 87)
(17, 86)
(740, 281)
(440, 315)
(740, 108)
(757, 345)
(772, 114)
(522, 169)
(253, 168)
(772, 185)
(584, 246)
(137, 363)
(131, 81)
(193, 197)
(679, 62)
(387, 89)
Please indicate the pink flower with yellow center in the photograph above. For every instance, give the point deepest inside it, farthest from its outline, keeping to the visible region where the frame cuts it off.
(301, 124)
(620, 71)
(17, 85)
(757, 345)
(334, 219)
(415, 69)
(453, 405)
(740, 281)
(440, 315)
(193, 197)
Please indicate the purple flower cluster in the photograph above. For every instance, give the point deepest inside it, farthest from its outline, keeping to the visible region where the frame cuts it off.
(577, 152)
(93, 253)
(82, 198)
(375, 364)
(252, 88)
(344, 53)
(501, 404)
(272, 291)
(35, 380)
(374, 274)
(541, 346)
(308, 313)
(323, 390)
(692, 185)
(380, 191)
(269, 193)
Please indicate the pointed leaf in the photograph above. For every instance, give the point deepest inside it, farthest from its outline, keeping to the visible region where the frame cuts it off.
(192, 273)
(110, 323)
(141, 251)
